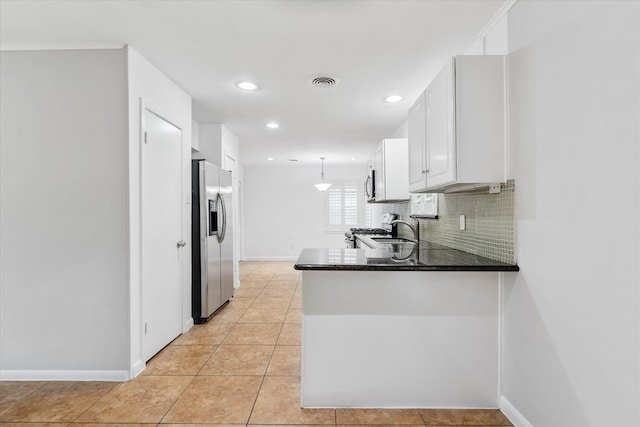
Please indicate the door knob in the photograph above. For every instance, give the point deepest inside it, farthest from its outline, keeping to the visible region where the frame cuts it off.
(182, 244)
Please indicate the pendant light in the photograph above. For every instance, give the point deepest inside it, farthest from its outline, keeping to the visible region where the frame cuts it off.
(323, 186)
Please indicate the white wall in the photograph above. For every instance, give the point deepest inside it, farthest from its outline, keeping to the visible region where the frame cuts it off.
(284, 212)
(195, 135)
(571, 315)
(147, 85)
(64, 215)
(70, 223)
(402, 131)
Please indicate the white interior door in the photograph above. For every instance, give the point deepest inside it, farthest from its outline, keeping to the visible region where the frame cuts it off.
(161, 233)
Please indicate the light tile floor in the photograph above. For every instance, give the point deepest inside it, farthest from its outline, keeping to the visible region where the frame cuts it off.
(241, 368)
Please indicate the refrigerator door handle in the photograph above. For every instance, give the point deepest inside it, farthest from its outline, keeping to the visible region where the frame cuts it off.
(366, 187)
(222, 215)
(212, 219)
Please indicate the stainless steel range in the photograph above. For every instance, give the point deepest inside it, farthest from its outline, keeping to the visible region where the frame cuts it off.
(386, 229)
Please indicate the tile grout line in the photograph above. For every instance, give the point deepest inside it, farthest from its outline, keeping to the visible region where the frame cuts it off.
(266, 368)
(175, 401)
(193, 378)
(94, 402)
(208, 359)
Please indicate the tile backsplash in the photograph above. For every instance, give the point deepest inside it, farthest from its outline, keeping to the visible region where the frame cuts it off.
(490, 222)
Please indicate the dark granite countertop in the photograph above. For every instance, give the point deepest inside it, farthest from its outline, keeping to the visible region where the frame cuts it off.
(422, 257)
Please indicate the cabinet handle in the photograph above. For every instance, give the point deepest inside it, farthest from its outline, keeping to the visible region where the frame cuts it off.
(181, 244)
(425, 171)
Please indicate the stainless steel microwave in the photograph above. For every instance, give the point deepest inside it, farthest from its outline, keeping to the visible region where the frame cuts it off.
(370, 186)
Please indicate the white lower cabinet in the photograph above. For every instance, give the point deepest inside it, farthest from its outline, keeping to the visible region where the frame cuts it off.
(457, 126)
(400, 339)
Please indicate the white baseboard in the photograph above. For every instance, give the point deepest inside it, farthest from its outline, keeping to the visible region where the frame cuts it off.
(510, 411)
(47, 375)
(267, 258)
(136, 369)
(187, 324)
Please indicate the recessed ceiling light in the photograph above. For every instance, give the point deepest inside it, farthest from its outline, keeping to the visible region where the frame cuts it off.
(393, 98)
(246, 86)
(270, 158)
(273, 125)
(353, 158)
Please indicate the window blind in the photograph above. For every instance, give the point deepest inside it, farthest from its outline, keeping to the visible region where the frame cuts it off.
(342, 206)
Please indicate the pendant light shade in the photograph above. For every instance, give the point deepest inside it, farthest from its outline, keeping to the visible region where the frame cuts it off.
(323, 186)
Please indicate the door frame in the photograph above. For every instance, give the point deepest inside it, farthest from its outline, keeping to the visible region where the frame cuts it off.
(235, 217)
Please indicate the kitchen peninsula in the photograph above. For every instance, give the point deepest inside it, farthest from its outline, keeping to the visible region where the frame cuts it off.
(413, 326)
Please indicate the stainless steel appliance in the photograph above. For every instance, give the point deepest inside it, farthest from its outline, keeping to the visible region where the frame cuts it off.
(212, 239)
(386, 229)
(370, 186)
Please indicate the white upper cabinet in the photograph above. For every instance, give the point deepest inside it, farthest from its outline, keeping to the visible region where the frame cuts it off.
(417, 145)
(440, 130)
(378, 166)
(390, 166)
(457, 127)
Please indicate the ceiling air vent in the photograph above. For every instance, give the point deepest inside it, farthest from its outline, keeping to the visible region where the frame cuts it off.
(324, 81)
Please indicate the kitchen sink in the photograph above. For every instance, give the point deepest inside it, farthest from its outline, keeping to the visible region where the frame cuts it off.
(392, 240)
(393, 244)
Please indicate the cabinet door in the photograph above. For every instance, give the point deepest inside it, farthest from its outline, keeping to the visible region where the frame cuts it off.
(396, 175)
(417, 169)
(440, 128)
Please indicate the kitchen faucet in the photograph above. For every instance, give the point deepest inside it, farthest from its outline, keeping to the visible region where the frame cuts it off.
(414, 228)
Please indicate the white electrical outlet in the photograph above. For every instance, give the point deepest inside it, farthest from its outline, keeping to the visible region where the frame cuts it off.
(494, 188)
(463, 222)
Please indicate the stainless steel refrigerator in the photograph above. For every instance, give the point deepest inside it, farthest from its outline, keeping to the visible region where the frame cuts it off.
(211, 239)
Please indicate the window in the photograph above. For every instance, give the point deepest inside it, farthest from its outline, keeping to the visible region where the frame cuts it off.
(342, 206)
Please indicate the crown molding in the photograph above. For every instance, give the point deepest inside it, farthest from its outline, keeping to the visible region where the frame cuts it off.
(60, 46)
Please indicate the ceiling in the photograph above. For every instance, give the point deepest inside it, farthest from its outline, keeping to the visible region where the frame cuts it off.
(372, 48)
